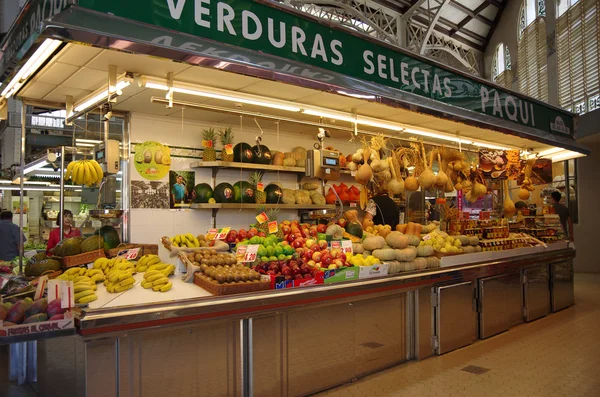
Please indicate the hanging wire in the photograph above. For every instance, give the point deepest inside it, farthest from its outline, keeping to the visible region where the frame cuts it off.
(242, 158)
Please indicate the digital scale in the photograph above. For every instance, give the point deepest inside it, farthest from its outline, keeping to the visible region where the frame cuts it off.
(108, 156)
(323, 164)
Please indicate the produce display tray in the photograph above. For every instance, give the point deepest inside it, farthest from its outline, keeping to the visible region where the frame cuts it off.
(81, 259)
(228, 289)
(247, 166)
(145, 249)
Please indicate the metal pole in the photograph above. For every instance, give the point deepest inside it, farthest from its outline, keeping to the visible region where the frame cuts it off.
(21, 179)
(62, 191)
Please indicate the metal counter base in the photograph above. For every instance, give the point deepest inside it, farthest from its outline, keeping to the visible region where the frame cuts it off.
(304, 341)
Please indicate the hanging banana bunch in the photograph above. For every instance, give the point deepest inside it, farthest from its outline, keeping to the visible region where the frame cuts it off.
(84, 172)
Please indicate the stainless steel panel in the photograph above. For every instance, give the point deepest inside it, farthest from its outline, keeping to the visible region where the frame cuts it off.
(456, 318)
(380, 339)
(501, 304)
(320, 351)
(101, 363)
(57, 364)
(268, 360)
(563, 294)
(536, 292)
(424, 324)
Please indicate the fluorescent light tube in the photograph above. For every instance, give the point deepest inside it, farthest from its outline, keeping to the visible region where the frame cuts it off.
(40, 56)
(31, 188)
(85, 145)
(88, 141)
(100, 96)
(550, 151)
(566, 155)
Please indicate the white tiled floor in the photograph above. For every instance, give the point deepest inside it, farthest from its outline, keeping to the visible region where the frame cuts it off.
(555, 356)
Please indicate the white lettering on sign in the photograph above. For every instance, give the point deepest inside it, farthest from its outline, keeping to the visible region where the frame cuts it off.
(513, 111)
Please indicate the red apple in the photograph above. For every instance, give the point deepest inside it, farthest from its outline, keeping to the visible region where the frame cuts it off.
(338, 262)
(300, 250)
(295, 229)
(335, 253)
(252, 233)
(286, 271)
(323, 244)
(317, 256)
(242, 234)
(297, 243)
(312, 263)
(290, 238)
(342, 257)
(286, 229)
(262, 234)
(342, 222)
(308, 275)
(305, 232)
(322, 228)
(326, 259)
(286, 223)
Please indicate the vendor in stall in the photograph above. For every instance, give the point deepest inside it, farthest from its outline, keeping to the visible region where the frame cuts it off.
(68, 231)
(383, 211)
(563, 214)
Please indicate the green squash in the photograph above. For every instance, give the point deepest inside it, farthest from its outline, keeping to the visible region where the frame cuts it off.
(110, 236)
(355, 229)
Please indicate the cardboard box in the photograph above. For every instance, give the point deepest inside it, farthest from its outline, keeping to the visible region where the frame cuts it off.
(279, 282)
(337, 275)
(38, 328)
(373, 271)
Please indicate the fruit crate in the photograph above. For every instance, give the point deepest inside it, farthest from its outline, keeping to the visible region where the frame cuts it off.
(34, 331)
(280, 282)
(228, 289)
(81, 259)
(145, 249)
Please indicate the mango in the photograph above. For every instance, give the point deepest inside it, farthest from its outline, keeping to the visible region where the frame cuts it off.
(36, 318)
(38, 306)
(17, 312)
(54, 308)
(57, 317)
(3, 313)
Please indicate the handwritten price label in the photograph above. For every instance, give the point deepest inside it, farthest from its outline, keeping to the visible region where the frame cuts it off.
(229, 149)
(273, 227)
(262, 217)
(347, 247)
(260, 187)
(129, 254)
(207, 143)
(335, 245)
(247, 253)
(217, 234)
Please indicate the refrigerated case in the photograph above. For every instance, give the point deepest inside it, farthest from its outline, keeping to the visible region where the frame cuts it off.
(500, 303)
(536, 292)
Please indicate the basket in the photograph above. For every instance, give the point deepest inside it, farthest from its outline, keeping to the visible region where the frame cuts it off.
(145, 249)
(81, 259)
(228, 289)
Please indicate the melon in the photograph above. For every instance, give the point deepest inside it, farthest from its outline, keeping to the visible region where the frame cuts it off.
(110, 235)
(242, 153)
(243, 192)
(202, 193)
(224, 193)
(274, 193)
(262, 154)
(355, 229)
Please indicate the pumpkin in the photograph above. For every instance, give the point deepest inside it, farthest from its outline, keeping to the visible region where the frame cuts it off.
(420, 263)
(413, 240)
(335, 231)
(401, 228)
(397, 240)
(367, 223)
(433, 262)
(474, 240)
(287, 196)
(331, 197)
(406, 255)
(278, 158)
(358, 248)
(351, 215)
(385, 231)
(355, 229)
(366, 253)
(373, 243)
(384, 254)
(407, 266)
(425, 250)
(342, 161)
(478, 249)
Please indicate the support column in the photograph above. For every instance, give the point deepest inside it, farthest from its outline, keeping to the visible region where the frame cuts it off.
(552, 55)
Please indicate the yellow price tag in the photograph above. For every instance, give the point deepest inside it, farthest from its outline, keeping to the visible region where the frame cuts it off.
(229, 149)
(207, 143)
(262, 217)
(273, 227)
(260, 187)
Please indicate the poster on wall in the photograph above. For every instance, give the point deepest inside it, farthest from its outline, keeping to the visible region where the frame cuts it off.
(152, 160)
(541, 173)
(493, 163)
(153, 194)
(181, 188)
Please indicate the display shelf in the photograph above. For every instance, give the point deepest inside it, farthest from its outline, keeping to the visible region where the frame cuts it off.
(236, 206)
(68, 199)
(247, 166)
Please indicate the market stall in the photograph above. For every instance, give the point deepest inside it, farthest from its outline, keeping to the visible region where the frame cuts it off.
(232, 240)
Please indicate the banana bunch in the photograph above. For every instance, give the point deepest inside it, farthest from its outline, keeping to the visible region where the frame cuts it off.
(73, 272)
(120, 278)
(157, 279)
(106, 265)
(84, 289)
(84, 172)
(185, 240)
(145, 262)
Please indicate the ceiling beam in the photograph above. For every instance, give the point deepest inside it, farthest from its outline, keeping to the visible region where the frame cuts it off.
(496, 21)
(474, 14)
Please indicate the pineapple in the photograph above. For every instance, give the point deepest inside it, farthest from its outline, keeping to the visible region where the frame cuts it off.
(226, 137)
(255, 179)
(262, 227)
(209, 152)
(273, 213)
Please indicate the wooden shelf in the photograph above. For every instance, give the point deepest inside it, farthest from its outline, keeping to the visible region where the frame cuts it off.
(247, 166)
(236, 206)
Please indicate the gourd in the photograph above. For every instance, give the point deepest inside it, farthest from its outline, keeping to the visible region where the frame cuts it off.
(401, 228)
(411, 183)
(335, 231)
(414, 229)
(289, 160)
(317, 198)
(354, 228)
(478, 249)
(287, 196)
(474, 240)
(424, 250)
(367, 223)
(397, 240)
(310, 185)
(464, 240)
(524, 194)
(278, 158)
(442, 179)
(351, 215)
(433, 262)
(420, 263)
(396, 184)
(366, 253)
(364, 173)
(384, 254)
(393, 267)
(373, 243)
(427, 178)
(413, 240)
(468, 249)
(509, 206)
(406, 255)
(358, 248)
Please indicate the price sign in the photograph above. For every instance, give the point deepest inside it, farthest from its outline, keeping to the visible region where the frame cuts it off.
(262, 217)
(229, 149)
(207, 143)
(63, 290)
(347, 247)
(222, 234)
(260, 187)
(129, 254)
(211, 234)
(247, 253)
(273, 227)
(427, 237)
(459, 199)
(352, 205)
(41, 286)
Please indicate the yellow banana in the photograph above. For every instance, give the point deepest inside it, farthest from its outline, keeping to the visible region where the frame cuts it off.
(69, 170)
(93, 173)
(82, 271)
(123, 288)
(74, 172)
(150, 273)
(147, 284)
(83, 294)
(72, 271)
(81, 278)
(155, 277)
(93, 272)
(168, 270)
(160, 281)
(98, 278)
(99, 172)
(142, 269)
(166, 287)
(159, 266)
(153, 261)
(113, 276)
(125, 275)
(77, 288)
(88, 299)
(127, 281)
(79, 176)
(177, 239)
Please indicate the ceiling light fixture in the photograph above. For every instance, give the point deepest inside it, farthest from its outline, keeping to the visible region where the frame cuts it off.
(31, 188)
(565, 155)
(102, 95)
(96, 141)
(44, 51)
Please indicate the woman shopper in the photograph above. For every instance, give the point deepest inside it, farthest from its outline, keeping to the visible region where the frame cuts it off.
(68, 231)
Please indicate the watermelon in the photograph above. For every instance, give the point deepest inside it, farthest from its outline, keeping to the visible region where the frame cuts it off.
(274, 193)
(110, 236)
(262, 156)
(202, 193)
(224, 193)
(243, 192)
(242, 153)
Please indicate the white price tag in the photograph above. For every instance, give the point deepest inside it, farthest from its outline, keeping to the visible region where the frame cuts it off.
(41, 286)
(129, 254)
(335, 245)
(247, 253)
(347, 247)
(63, 290)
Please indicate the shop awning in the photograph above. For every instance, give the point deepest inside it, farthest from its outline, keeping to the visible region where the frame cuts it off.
(236, 36)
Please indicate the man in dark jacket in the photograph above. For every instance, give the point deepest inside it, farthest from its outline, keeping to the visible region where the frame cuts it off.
(10, 244)
(563, 214)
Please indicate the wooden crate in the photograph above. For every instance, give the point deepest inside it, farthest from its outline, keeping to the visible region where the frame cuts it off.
(81, 259)
(228, 289)
(145, 249)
